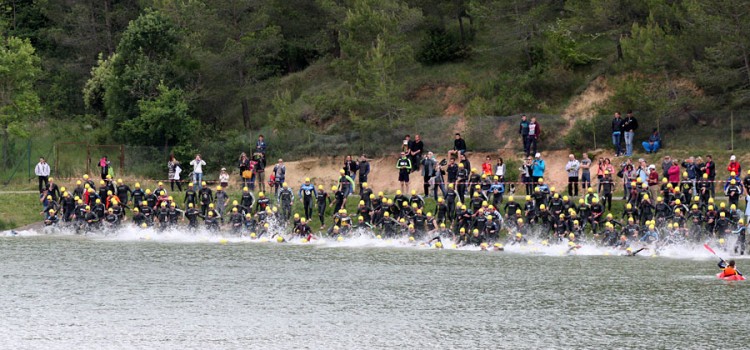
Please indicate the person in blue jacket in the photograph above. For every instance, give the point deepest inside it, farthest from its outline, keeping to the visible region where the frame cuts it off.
(537, 168)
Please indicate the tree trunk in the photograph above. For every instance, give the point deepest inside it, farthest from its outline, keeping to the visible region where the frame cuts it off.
(6, 161)
(14, 15)
(108, 28)
(246, 112)
(243, 101)
(336, 49)
(747, 63)
(461, 29)
(739, 35)
(619, 48)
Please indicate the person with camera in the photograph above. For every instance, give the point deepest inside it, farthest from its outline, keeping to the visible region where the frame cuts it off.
(525, 173)
(439, 178)
(246, 171)
(198, 164)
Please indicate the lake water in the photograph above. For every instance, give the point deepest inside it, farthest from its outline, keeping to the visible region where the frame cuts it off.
(182, 291)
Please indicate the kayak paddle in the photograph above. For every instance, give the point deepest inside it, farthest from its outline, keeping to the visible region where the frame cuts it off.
(716, 255)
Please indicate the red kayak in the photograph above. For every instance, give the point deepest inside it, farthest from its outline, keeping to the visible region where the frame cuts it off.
(730, 278)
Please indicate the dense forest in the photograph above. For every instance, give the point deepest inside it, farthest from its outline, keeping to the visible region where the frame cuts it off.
(185, 73)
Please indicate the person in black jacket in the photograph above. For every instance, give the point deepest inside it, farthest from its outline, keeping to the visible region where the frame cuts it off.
(629, 126)
(459, 147)
(415, 153)
(617, 134)
(523, 130)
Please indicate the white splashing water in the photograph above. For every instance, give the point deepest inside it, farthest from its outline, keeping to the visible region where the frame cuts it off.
(366, 239)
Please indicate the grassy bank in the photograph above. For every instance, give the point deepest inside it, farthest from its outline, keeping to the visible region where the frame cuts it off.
(19, 209)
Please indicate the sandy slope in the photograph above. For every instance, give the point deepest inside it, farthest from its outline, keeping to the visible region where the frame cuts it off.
(384, 175)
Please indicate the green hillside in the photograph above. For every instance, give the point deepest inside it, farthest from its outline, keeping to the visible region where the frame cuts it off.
(335, 76)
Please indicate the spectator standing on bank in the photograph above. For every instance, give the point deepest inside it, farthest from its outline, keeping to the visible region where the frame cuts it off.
(260, 145)
(500, 169)
(224, 178)
(173, 172)
(198, 164)
(487, 166)
(525, 172)
(415, 152)
(535, 131)
(617, 134)
(523, 130)
(585, 171)
(572, 169)
(537, 169)
(629, 126)
(246, 170)
(429, 164)
(734, 166)
(42, 171)
(710, 168)
(666, 163)
(104, 166)
(692, 171)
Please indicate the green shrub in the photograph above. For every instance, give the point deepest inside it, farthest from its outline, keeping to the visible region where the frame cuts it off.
(439, 46)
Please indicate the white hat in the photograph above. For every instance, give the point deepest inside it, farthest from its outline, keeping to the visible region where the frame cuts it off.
(652, 166)
(733, 157)
(538, 155)
(223, 169)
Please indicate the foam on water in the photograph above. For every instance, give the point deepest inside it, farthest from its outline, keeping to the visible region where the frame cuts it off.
(367, 239)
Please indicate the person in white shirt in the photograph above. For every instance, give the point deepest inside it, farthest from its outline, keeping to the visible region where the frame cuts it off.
(572, 169)
(42, 173)
(198, 164)
(224, 178)
(500, 169)
(173, 172)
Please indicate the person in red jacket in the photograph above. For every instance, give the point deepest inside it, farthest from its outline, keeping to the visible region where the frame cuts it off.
(487, 166)
(734, 165)
(674, 173)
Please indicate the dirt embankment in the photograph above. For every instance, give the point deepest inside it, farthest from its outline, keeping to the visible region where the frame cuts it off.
(384, 176)
(584, 105)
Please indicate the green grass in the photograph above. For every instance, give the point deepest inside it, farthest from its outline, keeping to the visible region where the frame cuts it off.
(19, 209)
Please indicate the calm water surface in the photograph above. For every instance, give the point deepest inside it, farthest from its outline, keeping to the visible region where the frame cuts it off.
(74, 293)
